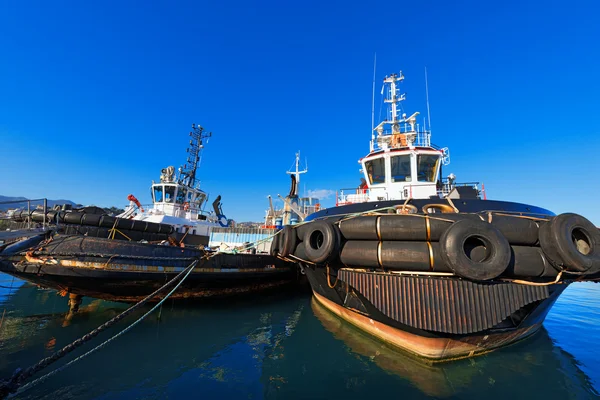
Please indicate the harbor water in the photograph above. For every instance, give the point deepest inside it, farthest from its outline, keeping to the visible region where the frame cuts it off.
(282, 346)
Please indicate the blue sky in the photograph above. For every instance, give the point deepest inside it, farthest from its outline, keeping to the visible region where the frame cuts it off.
(97, 98)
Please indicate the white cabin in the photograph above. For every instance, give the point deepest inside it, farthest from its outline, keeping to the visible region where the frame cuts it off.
(402, 163)
(178, 201)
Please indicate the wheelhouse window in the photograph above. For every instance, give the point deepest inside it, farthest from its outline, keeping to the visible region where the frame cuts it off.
(401, 168)
(376, 170)
(427, 165)
(181, 196)
(200, 199)
(169, 193)
(196, 199)
(158, 194)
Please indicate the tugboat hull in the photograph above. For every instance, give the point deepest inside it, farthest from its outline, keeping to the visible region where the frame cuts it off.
(128, 272)
(348, 304)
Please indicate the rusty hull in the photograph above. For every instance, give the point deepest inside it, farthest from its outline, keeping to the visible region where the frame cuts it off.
(128, 272)
(434, 349)
(378, 311)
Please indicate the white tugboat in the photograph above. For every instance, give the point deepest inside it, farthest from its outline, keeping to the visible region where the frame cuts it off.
(402, 163)
(125, 258)
(426, 264)
(179, 201)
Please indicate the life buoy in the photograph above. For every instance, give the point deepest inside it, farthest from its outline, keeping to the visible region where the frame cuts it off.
(222, 220)
(136, 202)
(317, 206)
(186, 206)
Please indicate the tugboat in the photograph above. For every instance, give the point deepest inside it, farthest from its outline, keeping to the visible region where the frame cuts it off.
(257, 238)
(180, 202)
(127, 257)
(428, 265)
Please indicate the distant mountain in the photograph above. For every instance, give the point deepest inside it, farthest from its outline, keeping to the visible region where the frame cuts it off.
(20, 202)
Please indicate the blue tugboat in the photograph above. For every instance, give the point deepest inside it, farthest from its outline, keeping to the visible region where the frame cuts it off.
(428, 265)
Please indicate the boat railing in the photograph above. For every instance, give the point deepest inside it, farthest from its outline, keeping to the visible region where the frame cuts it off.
(175, 209)
(363, 195)
(17, 215)
(352, 196)
(242, 238)
(405, 138)
(443, 188)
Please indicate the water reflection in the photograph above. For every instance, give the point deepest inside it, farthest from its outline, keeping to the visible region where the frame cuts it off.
(217, 347)
(282, 346)
(535, 365)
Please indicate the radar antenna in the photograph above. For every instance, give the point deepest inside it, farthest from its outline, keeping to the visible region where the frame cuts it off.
(187, 173)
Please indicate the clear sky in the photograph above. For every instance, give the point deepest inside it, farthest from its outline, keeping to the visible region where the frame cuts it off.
(97, 97)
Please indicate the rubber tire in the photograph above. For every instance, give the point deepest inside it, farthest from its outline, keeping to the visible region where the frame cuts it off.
(452, 244)
(288, 241)
(124, 224)
(107, 221)
(301, 230)
(558, 243)
(153, 227)
(321, 242)
(300, 251)
(73, 217)
(275, 246)
(51, 217)
(91, 219)
(139, 226)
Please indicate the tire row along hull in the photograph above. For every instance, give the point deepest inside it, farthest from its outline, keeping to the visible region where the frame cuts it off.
(443, 286)
(124, 271)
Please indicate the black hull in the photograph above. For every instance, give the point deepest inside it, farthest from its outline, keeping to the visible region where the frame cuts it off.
(129, 271)
(463, 206)
(353, 306)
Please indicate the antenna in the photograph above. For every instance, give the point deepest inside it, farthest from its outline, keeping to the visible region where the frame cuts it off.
(373, 104)
(373, 97)
(427, 97)
(297, 172)
(187, 174)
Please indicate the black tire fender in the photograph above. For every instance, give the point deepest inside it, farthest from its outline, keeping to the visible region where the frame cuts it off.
(320, 241)
(73, 217)
(275, 246)
(458, 240)
(571, 241)
(301, 230)
(288, 241)
(91, 219)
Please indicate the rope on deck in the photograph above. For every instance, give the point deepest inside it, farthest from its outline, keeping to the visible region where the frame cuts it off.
(12, 384)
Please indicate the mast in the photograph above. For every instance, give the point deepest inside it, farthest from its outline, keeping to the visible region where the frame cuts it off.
(187, 173)
(394, 99)
(297, 172)
(427, 97)
(373, 104)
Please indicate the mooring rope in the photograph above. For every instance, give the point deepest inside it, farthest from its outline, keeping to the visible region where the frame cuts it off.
(9, 293)
(11, 385)
(101, 345)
